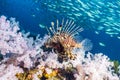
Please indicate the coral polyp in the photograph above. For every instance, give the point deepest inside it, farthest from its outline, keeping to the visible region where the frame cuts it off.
(62, 39)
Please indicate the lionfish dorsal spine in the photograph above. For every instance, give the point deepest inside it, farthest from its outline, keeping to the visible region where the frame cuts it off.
(73, 31)
(72, 27)
(77, 30)
(57, 31)
(52, 28)
(48, 31)
(61, 26)
(68, 26)
(64, 26)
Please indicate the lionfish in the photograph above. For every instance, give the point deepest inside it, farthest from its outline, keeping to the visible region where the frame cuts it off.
(62, 39)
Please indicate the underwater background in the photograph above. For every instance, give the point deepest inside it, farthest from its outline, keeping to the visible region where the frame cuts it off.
(99, 18)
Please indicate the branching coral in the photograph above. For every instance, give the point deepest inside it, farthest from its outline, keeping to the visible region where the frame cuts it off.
(25, 59)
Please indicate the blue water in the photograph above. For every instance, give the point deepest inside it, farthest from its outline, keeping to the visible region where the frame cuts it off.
(31, 13)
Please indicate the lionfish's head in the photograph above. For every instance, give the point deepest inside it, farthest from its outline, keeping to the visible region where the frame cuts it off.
(62, 36)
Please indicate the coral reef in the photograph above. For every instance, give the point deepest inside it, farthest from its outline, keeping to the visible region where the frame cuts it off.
(25, 59)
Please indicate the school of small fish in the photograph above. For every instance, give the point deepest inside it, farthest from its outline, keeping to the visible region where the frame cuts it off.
(99, 15)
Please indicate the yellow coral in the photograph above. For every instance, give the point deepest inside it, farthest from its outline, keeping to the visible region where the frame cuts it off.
(52, 74)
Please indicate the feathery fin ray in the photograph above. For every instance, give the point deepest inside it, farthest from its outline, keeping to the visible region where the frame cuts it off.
(68, 27)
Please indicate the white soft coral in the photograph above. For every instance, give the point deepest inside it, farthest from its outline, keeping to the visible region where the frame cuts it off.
(10, 39)
(8, 73)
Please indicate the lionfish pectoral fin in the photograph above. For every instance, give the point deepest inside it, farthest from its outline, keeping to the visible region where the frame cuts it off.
(87, 44)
